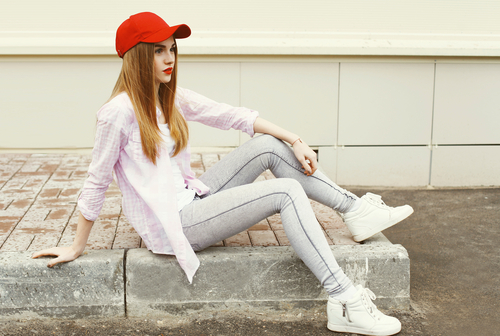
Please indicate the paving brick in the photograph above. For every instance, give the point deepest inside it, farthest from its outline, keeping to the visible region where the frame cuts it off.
(341, 236)
(327, 217)
(268, 175)
(262, 225)
(197, 164)
(37, 214)
(111, 208)
(263, 238)
(260, 178)
(282, 238)
(36, 183)
(209, 160)
(49, 192)
(14, 183)
(18, 160)
(241, 239)
(79, 175)
(126, 236)
(40, 227)
(7, 224)
(275, 222)
(5, 203)
(61, 213)
(61, 174)
(21, 204)
(219, 244)
(69, 192)
(44, 241)
(21, 193)
(49, 167)
(43, 234)
(30, 167)
(102, 234)
(17, 241)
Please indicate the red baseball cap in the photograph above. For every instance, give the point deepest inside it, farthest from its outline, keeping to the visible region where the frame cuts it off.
(146, 27)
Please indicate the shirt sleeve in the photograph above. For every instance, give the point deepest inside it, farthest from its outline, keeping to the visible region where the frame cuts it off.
(196, 107)
(109, 140)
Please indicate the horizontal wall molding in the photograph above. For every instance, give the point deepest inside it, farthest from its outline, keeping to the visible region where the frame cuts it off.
(263, 43)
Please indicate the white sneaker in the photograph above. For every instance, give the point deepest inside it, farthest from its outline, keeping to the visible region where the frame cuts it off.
(360, 316)
(373, 216)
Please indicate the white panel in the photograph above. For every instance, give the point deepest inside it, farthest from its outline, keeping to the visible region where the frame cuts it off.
(52, 104)
(383, 166)
(327, 160)
(466, 166)
(385, 103)
(467, 104)
(300, 97)
(217, 81)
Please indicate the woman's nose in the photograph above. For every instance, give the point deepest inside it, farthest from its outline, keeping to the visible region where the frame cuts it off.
(170, 59)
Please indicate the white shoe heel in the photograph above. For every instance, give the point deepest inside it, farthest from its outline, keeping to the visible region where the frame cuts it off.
(373, 216)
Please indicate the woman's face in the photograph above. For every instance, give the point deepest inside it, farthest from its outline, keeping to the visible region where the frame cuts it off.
(164, 60)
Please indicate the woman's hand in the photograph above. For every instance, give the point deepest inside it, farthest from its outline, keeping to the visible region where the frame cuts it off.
(306, 156)
(63, 254)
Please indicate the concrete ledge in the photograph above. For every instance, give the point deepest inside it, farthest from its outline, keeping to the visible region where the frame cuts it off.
(90, 286)
(231, 279)
(260, 279)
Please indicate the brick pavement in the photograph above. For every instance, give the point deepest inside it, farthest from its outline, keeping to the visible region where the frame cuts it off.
(38, 207)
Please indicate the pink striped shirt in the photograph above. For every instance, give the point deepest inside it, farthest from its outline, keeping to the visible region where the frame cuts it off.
(149, 196)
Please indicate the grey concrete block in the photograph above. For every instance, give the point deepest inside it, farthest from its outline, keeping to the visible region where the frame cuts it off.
(90, 286)
(259, 279)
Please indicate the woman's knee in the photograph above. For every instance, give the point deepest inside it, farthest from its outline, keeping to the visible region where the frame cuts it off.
(268, 143)
(289, 187)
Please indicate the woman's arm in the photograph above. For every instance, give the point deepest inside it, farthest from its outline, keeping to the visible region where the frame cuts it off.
(110, 139)
(65, 254)
(303, 153)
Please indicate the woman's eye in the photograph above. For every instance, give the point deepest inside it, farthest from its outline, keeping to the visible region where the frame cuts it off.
(158, 51)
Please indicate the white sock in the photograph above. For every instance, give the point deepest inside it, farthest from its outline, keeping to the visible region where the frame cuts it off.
(356, 205)
(346, 295)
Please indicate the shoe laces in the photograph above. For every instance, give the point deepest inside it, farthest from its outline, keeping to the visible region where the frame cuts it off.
(375, 199)
(367, 296)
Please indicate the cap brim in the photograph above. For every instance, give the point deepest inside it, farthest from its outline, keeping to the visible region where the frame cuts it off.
(179, 32)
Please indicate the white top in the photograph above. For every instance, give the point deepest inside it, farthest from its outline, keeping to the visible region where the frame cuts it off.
(184, 195)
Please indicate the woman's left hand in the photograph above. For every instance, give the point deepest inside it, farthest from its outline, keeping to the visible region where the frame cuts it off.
(306, 156)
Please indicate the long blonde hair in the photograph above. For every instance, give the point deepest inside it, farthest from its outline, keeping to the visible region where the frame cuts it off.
(137, 79)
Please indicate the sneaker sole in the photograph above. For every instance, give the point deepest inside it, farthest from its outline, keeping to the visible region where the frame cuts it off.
(354, 330)
(383, 226)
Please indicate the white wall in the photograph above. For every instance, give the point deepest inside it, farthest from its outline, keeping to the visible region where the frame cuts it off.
(257, 27)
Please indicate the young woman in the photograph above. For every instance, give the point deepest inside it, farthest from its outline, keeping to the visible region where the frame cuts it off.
(142, 136)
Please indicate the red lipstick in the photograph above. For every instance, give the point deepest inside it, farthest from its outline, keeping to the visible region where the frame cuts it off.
(168, 71)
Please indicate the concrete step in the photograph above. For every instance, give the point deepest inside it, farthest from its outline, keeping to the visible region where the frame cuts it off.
(138, 283)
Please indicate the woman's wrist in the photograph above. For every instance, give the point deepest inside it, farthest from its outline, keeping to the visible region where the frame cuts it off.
(77, 249)
(298, 140)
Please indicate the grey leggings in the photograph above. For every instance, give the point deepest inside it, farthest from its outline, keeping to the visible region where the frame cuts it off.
(235, 203)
